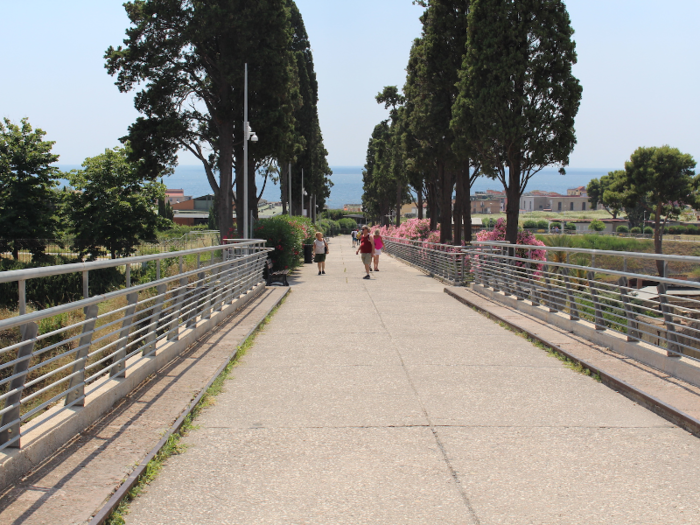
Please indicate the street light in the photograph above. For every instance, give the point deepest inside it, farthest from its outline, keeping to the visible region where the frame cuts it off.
(248, 134)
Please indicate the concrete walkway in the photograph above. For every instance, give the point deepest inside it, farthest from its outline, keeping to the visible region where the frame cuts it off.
(387, 401)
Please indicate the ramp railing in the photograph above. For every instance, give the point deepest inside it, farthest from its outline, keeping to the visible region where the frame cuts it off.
(443, 261)
(51, 359)
(616, 291)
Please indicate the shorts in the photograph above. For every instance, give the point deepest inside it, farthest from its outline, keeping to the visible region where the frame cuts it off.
(320, 257)
(377, 251)
(366, 258)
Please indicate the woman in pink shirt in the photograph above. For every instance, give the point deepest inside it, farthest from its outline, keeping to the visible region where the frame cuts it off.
(378, 245)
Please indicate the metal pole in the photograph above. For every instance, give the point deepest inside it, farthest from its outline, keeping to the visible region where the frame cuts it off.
(290, 189)
(302, 192)
(245, 155)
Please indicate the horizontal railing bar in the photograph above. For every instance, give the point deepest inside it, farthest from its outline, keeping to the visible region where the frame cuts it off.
(13, 322)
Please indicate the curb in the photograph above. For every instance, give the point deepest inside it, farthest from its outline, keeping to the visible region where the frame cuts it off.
(655, 405)
(106, 511)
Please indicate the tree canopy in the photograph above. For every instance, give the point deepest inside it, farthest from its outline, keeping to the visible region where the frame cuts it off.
(602, 192)
(113, 208)
(664, 178)
(187, 60)
(27, 179)
(517, 95)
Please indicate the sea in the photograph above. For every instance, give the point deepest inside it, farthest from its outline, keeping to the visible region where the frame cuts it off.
(347, 182)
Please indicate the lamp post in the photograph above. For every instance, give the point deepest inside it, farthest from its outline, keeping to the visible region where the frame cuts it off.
(248, 134)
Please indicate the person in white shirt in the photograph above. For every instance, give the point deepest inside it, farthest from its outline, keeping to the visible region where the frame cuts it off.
(320, 251)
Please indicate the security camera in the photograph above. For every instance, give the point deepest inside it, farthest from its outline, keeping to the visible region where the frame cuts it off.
(253, 138)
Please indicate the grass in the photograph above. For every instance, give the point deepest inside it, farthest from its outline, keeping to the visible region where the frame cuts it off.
(571, 364)
(173, 445)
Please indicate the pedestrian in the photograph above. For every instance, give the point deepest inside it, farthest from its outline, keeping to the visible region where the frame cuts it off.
(354, 238)
(320, 251)
(367, 250)
(378, 245)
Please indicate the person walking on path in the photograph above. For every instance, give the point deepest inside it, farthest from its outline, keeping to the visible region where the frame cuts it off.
(367, 250)
(354, 238)
(320, 251)
(378, 245)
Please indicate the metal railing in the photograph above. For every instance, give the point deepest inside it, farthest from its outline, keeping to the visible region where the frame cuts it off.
(598, 286)
(59, 355)
(443, 261)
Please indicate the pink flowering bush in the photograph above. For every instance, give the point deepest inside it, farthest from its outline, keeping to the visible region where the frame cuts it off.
(524, 237)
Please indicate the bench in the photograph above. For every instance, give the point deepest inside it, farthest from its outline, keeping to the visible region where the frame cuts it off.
(276, 277)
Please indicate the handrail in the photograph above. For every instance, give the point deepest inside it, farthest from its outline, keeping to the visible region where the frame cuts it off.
(107, 335)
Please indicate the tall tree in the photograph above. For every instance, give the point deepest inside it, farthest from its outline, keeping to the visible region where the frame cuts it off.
(517, 95)
(187, 58)
(431, 89)
(665, 178)
(378, 185)
(27, 179)
(600, 192)
(114, 208)
(309, 153)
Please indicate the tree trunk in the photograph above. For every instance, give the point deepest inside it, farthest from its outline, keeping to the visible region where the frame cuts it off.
(513, 204)
(399, 193)
(458, 211)
(433, 206)
(420, 204)
(225, 211)
(467, 204)
(446, 186)
(658, 248)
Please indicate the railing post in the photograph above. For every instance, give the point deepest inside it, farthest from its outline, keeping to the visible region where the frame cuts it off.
(599, 321)
(152, 329)
(12, 417)
(674, 349)
(177, 309)
(551, 303)
(119, 359)
(632, 333)
(573, 308)
(76, 389)
(86, 287)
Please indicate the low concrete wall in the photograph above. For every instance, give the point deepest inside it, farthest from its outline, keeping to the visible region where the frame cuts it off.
(680, 367)
(58, 425)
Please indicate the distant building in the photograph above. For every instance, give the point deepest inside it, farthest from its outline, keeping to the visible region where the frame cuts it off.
(569, 203)
(176, 196)
(353, 208)
(577, 192)
(202, 203)
(482, 202)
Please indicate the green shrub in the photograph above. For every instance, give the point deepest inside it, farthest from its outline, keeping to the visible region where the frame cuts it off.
(636, 229)
(648, 230)
(622, 229)
(530, 224)
(334, 215)
(599, 242)
(542, 225)
(347, 224)
(691, 229)
(555, 225)
(285, 234)
(570, 226)
(676, 230)
(597, 226)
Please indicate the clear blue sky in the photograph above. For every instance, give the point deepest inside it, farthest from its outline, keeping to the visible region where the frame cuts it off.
(637, 63)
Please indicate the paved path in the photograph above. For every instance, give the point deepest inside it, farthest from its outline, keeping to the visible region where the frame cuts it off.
(387, 401)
